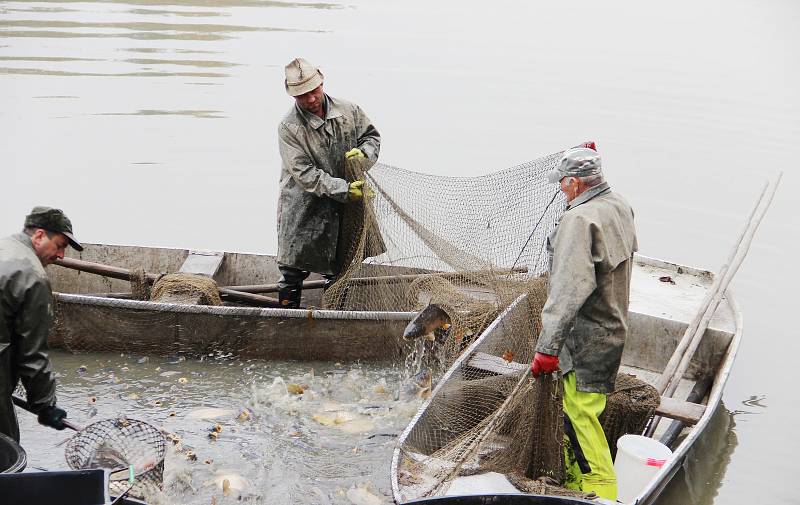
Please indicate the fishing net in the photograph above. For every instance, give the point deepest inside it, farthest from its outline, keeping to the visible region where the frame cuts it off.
(186, 288)
(488, 414)
(473, 246)
(628, 409)
(467, 245)
(115, 445)
(470, 244)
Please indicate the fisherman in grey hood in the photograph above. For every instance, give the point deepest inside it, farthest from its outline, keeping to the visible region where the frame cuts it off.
(315, 138)
(26, 310)
(585, 317)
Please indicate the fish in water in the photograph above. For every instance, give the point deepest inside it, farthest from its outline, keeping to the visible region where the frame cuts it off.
(105, 456)
(228, 481)
(424, 324)
(210, 413)
(418, 386)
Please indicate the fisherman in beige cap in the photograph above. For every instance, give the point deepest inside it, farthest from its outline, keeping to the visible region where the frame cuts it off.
(315, 138)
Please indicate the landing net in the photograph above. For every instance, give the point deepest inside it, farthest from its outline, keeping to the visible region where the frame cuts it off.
(121, 445)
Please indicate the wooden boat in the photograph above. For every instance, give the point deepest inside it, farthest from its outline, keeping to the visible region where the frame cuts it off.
(664, 299)
(95, 313)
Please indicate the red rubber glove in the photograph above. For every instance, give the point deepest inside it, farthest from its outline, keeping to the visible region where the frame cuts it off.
(543, 363)
(589, 144)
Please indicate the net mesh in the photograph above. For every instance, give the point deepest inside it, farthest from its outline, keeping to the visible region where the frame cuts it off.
(470, 244)
(489, 414)
(473, 246)
(477, 244)
(628, 409)
(115, 444)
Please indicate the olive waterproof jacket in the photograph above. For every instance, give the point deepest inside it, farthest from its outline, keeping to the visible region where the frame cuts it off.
(313, 190)
(584, 320)
(25, 314)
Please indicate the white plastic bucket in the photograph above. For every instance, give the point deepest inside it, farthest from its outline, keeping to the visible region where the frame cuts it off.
(639, 459)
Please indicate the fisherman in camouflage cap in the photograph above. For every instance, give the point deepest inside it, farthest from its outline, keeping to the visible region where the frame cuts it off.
(25, 314)
(585, 317)
(315, 138)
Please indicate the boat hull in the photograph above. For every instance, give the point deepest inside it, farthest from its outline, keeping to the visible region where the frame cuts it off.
(86, 323)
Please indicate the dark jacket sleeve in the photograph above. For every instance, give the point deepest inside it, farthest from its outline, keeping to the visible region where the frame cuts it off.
(32, 325)
(306, 174)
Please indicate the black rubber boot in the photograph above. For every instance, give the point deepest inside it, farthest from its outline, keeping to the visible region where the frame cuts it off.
(289, 298)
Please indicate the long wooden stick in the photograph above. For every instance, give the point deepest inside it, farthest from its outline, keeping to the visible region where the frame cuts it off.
(691, 330)
(24, 405)
(367, 281)
(124, 274)
(679, 362)
(684, 364)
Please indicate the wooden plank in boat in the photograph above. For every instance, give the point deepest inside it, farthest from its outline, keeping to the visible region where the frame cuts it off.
(495, 364)
(689, 413)
(202, 263)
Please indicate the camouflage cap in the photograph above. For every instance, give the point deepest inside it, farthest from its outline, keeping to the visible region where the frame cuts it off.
(576, 162)
(54, 220)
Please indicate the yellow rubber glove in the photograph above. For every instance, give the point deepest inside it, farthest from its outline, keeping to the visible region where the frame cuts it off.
(357, 191)
(354, 191)
(354, 153)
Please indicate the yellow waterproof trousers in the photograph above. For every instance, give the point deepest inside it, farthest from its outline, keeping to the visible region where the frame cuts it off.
(583, 410)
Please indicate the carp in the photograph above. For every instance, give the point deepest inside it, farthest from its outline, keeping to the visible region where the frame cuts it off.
(424, 324)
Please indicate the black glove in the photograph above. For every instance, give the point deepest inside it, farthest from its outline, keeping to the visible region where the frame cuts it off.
(52, 417)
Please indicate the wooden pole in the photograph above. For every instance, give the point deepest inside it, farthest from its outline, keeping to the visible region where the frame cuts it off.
(691, 330)
(679, 362)
(367, 281)
(686, 358)
(124, 274)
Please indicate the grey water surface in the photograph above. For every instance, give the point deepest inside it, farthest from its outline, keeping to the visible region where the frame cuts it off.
(153, 122)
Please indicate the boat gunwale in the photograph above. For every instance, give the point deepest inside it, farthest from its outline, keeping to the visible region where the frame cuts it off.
(265, 312)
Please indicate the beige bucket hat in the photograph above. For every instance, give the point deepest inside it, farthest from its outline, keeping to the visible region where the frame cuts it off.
(301, 77)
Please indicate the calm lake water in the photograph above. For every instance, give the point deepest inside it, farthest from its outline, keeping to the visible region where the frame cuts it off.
(154, 122)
